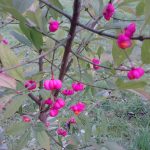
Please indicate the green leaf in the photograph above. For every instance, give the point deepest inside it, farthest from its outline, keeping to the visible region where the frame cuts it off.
(6, 2)
(22, 5)
(9, 59)
(126, 2)
(99, 51)
(140, 8)
(35, 17)
(130, 85)
(119, 54)
(17, 128)
(43, 139)
(71, 147)
(13, 106)
(58, 5)
(25, 30)
(147, 14)
(13, 12)
(34, 36)
(21, 38)
(23, 140)
(145, 53)
(146, 9)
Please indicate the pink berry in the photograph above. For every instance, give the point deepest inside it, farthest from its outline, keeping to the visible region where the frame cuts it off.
(62, 132)
(78, 108)
(96, 62)
(68, 92)
(78, 86)
(47, 124)
(135, 73)
(60, 103)
(48, 101)
(141, 71)
(5, 41)
(72, 120)
(53, 84)
(53, 112)
(26, 119)
(130, 30)
(123, 41)
(108, 11)
(53, 26)
(30, 84)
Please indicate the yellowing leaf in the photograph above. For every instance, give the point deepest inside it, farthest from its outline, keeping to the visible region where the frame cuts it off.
(7, 81)
(9, 59)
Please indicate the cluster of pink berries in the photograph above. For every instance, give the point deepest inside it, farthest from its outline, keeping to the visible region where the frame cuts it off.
(76, 87)
(55, 106)
(108, 11)
(135, 73)
(62, 132)
(124, 39)
(55, 84)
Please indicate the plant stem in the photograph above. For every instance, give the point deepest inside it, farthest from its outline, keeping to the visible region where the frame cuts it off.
(71, 35)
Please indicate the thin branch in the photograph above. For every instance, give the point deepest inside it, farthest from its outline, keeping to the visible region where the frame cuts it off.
(35, 99)
(104, 88)
(89, 61)
(31, 61)
(56, 9)
(40, 70)
(140, 38)
(71, 34)
(127, 19)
